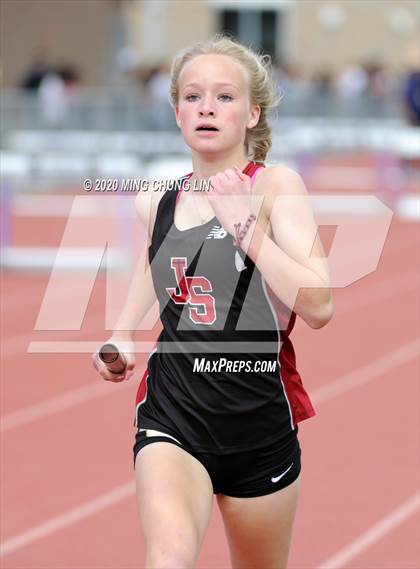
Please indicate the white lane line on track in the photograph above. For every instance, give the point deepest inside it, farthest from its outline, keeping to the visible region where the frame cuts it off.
(20, 343)
(398, 357)
(73, 397)
(375, 292)
(57, 404)
(367, 373)
(372, 535)
(68, 518)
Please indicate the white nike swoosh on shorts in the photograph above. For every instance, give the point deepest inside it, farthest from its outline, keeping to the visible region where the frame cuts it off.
(153, 433)
(277, 478)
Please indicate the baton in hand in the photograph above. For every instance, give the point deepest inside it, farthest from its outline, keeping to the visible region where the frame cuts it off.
(112, 358)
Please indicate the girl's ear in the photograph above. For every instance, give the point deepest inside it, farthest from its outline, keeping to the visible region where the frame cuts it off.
(178, 122)
(254, 116)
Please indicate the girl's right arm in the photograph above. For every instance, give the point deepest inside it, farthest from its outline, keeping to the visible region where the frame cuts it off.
(141, 296)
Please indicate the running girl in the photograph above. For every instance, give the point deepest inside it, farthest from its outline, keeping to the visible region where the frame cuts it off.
(218, 407)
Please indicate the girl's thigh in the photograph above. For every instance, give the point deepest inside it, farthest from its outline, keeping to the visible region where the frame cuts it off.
(259, 529)
(175, 498)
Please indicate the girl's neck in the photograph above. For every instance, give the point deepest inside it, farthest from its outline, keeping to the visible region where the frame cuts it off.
(202, 169)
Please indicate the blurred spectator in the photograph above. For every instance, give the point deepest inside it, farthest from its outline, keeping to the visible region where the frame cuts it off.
(69, 75)
(411, 87)
(38, 69)
(321, 101)
(55, 94)
(127, 59)
(128, 67)
(52, 99)
(352, 81)
(363, 89)
(377, 85)
(322, 82)
(290, 77)
(157, 86)
(292, 85)
(281, 76)
(410, 99)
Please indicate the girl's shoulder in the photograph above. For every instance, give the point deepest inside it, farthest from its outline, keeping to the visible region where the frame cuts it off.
(147, 202)
(276, 179)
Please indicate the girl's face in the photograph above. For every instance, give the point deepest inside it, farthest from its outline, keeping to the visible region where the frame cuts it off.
(214, 91)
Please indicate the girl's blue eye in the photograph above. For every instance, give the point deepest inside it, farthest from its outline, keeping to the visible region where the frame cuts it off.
(188, 97)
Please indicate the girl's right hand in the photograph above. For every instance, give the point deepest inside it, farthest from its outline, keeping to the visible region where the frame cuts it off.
(126, 347)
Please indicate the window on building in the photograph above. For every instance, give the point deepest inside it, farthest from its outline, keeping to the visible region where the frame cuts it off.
(253, 27)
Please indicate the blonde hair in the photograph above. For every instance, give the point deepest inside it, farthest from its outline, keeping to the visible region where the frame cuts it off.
(262, 90)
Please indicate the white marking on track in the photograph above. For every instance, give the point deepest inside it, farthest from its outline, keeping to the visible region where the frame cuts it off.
(373, 535)
(13, 345)
(345, 383)
(68, 518)
(367, 373)
(342, 385)
(57, 404)
(374, 292)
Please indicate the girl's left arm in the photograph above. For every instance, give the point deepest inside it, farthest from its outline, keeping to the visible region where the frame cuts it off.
(293, 263)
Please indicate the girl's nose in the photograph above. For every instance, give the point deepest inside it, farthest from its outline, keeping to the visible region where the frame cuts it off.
(206, 108)
(205, 113)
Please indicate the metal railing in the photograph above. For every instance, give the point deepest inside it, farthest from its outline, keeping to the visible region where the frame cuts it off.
(130, 109)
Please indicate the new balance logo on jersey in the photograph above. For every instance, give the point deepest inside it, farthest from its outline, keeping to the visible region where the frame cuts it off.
(217, 232)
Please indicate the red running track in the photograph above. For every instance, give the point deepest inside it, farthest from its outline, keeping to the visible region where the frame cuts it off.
(67, 494)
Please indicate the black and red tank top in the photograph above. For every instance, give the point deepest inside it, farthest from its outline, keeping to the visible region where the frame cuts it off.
(222, 375)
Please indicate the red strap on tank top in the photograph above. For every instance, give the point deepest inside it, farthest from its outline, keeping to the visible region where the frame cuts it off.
(251, 169)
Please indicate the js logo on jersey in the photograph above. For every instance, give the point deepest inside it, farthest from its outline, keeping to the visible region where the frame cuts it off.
(193, 291)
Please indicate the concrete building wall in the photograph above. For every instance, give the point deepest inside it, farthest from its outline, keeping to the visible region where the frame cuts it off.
(188, 23)
(315, 33)
(75, 32)
(158, 29)
(332, 34)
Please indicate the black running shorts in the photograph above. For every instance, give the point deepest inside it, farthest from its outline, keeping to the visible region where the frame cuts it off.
(241, 474)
